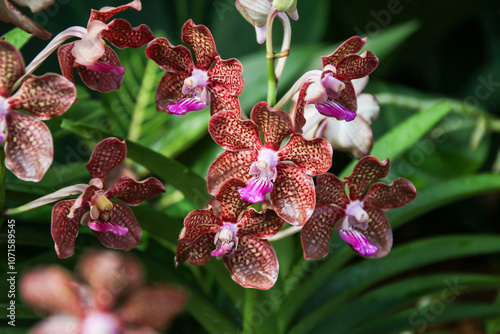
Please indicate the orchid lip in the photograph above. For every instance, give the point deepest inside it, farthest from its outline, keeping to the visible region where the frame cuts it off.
(186, 105)
(226, 240)
(256, 190)
(108, 227)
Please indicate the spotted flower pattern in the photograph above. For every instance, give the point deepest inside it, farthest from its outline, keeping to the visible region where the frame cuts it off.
(238, 237)
(28, 143)
(358, 217)
(112, 222)
(265, 167)
(185, 86)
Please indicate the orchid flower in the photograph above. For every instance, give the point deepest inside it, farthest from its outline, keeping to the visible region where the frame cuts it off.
(28, 143)
(110, 297)
(265, 167)
(185, 86)
(9, 13)
(359, 219)
(112, 222)
(238, 237)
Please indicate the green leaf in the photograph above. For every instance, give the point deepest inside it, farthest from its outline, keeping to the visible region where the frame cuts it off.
(17, 37)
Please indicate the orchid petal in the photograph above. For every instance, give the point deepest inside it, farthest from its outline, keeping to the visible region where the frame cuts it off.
(256, 190)
(254, 264)
(168, 57)
(134, 193)
(28, 148)
(231, 202)
(276, 124)
(316, 233)
(354, 137)
(200, 39)
(66, 61)
(197, 252)
(199, 222)
(359, 242)
(185, 106)
(299, 119)
(330, 190)
(347, 98)
(254, 11)
(229, 165)
(260, 32)
(313, 157)
(90, 48)
(359, 84)
(227, 74)
(10, 14)
(368, 107)
(121, 34)
(262, 225)
(105, 13)
(335, 109)
(221, 100)
(293, 194)
(379, 232)
(395, 195)
(108, 227)
(356, 66)
(44, 97)
(103, 81)
(169, 90)
(107, 154)
(367, 170)
(233, 134)
(11, 67)
(64, 230)
(352, 45)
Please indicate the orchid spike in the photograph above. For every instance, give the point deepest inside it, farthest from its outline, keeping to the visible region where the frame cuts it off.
(112, 222)
(238, 237)
(359, 218)
(185, 86)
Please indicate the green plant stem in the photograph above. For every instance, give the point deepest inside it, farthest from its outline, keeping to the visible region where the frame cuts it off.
(248, 311)
(272, 83)
(3, 173)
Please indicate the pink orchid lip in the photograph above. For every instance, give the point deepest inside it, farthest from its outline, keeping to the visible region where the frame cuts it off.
(265, 172)
(100, 323)
(334, 109)
(256, 190)
(108, 227)
(106, 67)
(359, 242)
(186, 105)
(225, 240)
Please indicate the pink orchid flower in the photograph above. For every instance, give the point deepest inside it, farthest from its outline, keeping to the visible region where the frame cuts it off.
(238, 237)
(185, 86)
(360, 219)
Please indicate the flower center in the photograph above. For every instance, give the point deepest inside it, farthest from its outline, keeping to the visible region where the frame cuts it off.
(196, 83)
(355, 216)
(265, 172)
(100, 323)
(225, 240)
(101, 207)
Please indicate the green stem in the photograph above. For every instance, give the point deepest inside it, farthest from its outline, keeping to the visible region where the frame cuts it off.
(272, 82)
(3, 173)
(248, 311)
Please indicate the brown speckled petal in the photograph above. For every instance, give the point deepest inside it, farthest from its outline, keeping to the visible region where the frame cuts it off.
(168, 57)
(330, 190)
(221, 100)
(121, 34)
(293, 194)
(352, 45)
(233, 134)
(395, 195)
(66, 61)
(348, 97)
(44, 97)
(200, 39)
(299, 119)
(197, 252)
(9, 13)
(230, 200)
(28, 147)
(262, 225)
(378, 233)
(254, 264)
(356, 66)
(107, 154)
(317, 232)
(199, 222)
(229, 165)
(169, 90)
(106, 13)
(367, 170)
(313, 157)
(275, 124)
(63, 229)
(135, 192)
(102, 81)
(11, 67)
(227, 74)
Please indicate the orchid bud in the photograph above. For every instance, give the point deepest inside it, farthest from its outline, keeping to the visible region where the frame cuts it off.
(288, 6)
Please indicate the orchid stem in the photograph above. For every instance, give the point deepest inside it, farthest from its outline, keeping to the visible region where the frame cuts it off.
(272, 82)
(285, 233)
(285, 47)
(296, 87)
(248, 311)
(3, 173)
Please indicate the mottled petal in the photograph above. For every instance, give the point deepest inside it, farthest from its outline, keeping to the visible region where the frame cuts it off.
(356, 66)
(335, 109)
(330, 190)
(229, 165)
(254, 264)
(107, 154)
(275, 124)
(103, 81)
(44, 97)
(386, 197)
(352, 45)
(317, 232)
(293, 194)
(232, 133)
(299, 119)
(378, 233)
(133, 192)
(10, 14)
(63, 229)
(121, 34)
(358, 243)
(66, 61)
(313, 157)
(153, 306)
(200, 39)
(367, 170)
(106, 13)
(197, 252)
(227, 74)
(11, 66)
(57, 324)
(347, 98)
(231, 202)
(199, 222)
(262, 225)
(169, 90)
(28, 148)
(168, 57)
(221, 100)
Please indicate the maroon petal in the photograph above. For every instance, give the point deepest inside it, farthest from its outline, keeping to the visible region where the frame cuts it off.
(197, 252)
(66, 61)
(293, 194)
(378, 233)
(107, 154)
(102, 81)
(169, 90)
(386, 197)
(227, 74)
(229, 165)
(11, 66)
(132, 192)
(106, 13)
(352, 45)
(221, 100)
(168, 57)
(254, 264)
(230, 200)
(10, 14)
(262, 225)
(317, 232)
(63, 229)
(44, 97)
(199, 222)
(356, 66)
(348, 98)
(28, 147)
(275, 124)
(200, 39)
(121, 215)
(121, 34)
(367, 170)
(313, 157)
(299, 119)
(330, 190)
(153, 306)
(233, 134)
